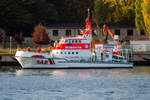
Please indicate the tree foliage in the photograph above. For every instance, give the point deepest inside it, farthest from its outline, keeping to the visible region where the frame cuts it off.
(101, 11)
(139, 21)
(18, 15)
(76, 10)
(1, 35)
(22, 15)
(115, 11)
(40, 36)
(146, 15)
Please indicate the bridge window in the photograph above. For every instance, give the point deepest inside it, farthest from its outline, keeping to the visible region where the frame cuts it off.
(79, 41)
(76, 41)
(73, 41)
(55, 32)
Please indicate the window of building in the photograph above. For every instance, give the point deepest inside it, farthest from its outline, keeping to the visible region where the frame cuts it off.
(130, 32)
(142, 32)
(68, 52)
(55, 32)
(117, 32)
(72, 52)
(76, 52)
(68, 32)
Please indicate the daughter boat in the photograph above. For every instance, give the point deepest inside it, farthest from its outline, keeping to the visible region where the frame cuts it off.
(74, 52)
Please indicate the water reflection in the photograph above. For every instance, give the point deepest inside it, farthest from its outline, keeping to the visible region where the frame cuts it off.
(71, 84)
(85, 73)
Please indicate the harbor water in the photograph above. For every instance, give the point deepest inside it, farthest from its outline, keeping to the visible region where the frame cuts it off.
(75, 84)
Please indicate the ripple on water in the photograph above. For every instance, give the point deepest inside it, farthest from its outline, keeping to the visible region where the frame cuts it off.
(115, 84)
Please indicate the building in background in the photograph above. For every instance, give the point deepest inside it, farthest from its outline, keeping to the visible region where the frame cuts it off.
(124, 32)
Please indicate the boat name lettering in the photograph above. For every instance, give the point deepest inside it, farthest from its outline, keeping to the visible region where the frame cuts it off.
(42, 61)
(51, 61)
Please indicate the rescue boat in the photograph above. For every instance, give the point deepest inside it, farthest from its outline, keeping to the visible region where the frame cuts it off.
(74, 52)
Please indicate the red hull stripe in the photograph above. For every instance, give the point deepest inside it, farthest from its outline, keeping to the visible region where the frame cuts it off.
(37, 56)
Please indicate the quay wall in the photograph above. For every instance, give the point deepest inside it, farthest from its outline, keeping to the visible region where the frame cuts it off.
(8, 60)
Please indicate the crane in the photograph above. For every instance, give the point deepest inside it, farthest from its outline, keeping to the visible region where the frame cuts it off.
(106, 32)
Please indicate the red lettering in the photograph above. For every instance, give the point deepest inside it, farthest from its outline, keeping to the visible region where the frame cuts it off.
(38, 62)
(45, 62)
(42, 61)
(51, 61)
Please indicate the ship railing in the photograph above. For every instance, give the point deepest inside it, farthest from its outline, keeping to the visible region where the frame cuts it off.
(125, 53)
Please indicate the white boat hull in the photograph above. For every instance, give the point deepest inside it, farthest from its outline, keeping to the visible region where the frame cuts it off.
(28, 62)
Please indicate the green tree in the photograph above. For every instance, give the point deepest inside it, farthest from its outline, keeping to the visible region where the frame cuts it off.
(146, 15)
(45, 12)
(11, 16)
(101, 11)
(115, 11)
(19, 15)
(76, 10)
(1, 36)
(139, 21)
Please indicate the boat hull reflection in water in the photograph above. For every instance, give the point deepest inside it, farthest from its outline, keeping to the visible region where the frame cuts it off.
(97, 84)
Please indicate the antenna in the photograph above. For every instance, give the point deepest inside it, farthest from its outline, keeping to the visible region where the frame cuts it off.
(88, 12)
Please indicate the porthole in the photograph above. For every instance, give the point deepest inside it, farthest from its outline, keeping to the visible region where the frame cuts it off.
(72, 41)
